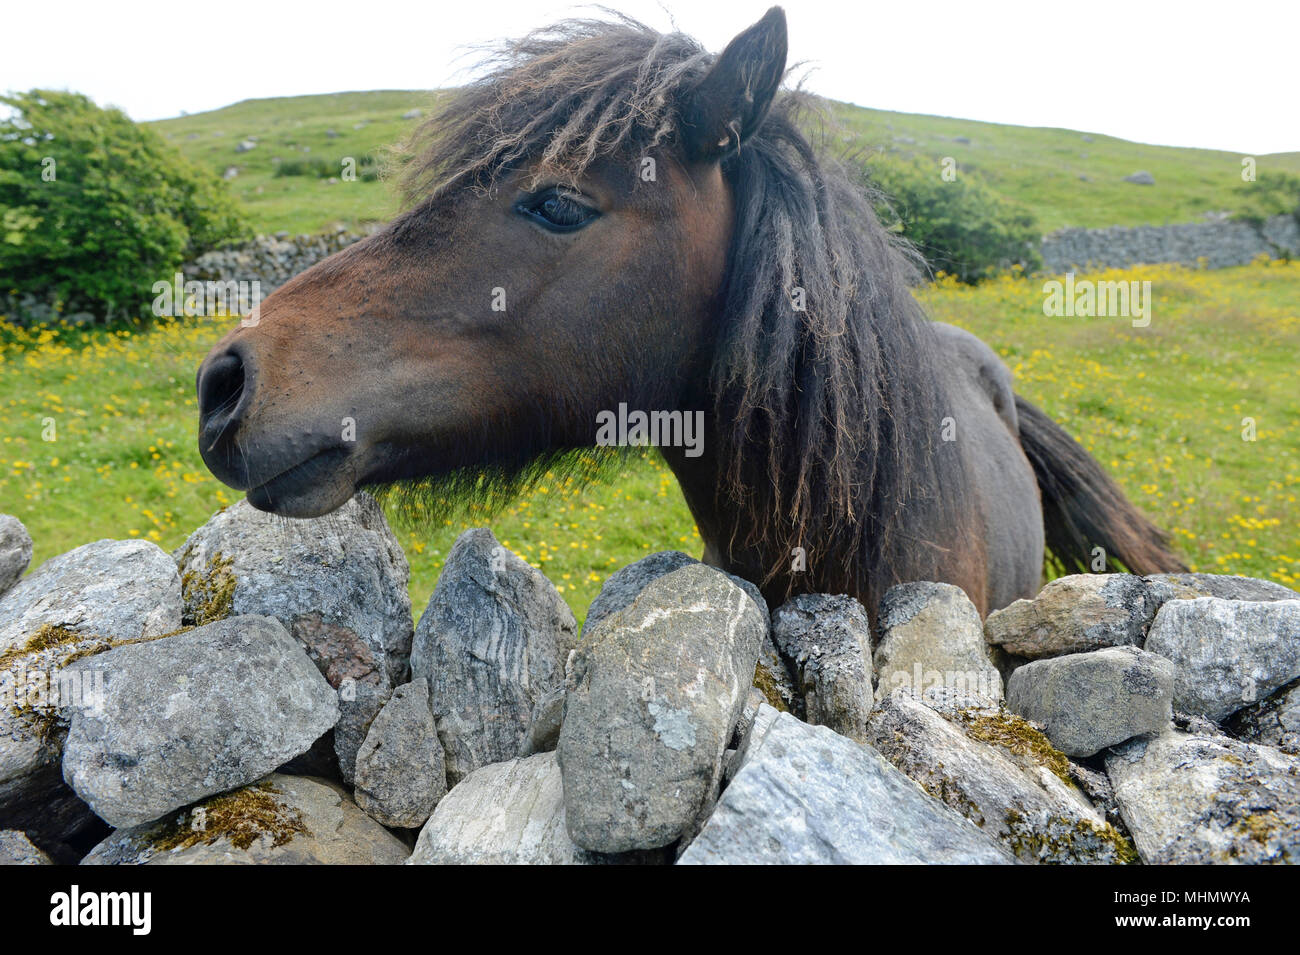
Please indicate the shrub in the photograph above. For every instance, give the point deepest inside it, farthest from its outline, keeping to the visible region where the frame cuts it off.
(97, 208)
(1274, 193)
(367, 169)
(961, 226)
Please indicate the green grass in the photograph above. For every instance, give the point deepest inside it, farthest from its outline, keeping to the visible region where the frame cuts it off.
(1037, 167)
(1161, 407)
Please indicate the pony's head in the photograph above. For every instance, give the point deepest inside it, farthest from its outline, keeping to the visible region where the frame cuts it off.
(563, 250)
(609, 216)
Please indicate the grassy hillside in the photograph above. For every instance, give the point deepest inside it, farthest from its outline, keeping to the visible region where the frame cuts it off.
(1043, 169)
(1161, 407)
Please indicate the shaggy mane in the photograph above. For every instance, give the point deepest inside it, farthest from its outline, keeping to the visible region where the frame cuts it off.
(827, 415)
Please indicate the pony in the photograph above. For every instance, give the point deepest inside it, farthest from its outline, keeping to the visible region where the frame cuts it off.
(613, 218)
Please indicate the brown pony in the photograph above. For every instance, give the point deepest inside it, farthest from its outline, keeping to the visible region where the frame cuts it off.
(614, 217)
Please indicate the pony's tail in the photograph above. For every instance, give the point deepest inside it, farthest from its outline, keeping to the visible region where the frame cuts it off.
(1084, 509)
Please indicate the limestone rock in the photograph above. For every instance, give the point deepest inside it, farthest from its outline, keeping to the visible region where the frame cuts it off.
(338, 583)
(826, 640)
(1037, 815)
(508, 813)
(281, 820)
(1227, 653)
(15, 551)
(491, 644)
(191, 715)
(1196, 799)
(1088, 701)
(17, 849)
(401, 773)
(116, 590)
(1227, 586)
(806, 795)
(929, 632)
(1078, 613)
(654, 692)
(1274, 721)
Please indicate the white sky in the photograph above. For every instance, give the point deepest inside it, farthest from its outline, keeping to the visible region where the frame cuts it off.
(1189, 73)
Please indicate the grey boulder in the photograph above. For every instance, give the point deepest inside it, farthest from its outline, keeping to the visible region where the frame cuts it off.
(337, 583)
(931, 635)
(17, 849)
(1037, 815)
(1227, 586)
(622, 586)
(492, 643)
(826, 641)
(15, 551)
(1078, 613)
(1228, 653)
(1088, 701)
(280, 820)
(115, 590)
(654, 692)
(509, 813)
(1208, 799)
(401, 773)
(806, 795)
(1274, 721)
(192, 715)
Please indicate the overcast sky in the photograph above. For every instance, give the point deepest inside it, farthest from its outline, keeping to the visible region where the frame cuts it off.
(1177, 73)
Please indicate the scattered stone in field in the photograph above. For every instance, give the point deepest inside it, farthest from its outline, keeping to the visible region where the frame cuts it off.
(412, 114)
(192, 715)
(509, 813)
(245, 145)
(17, 849)
(401, 773)
(491, 644)
(1038, 816)
(826, 641)
(15, 551)
(116, 590)
(1141, 178)
(1274, 721)
(653, 694)
(1088, 701)
(338, 584)
(804, 794)
(931, 634)
(1196, 800)
(280, 820)
(1077, 613)
(1227, 653)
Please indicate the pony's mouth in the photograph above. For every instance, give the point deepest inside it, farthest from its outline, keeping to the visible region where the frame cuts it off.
(310, 488)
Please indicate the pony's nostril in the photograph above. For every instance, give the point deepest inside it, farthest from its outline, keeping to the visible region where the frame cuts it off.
(221, 387)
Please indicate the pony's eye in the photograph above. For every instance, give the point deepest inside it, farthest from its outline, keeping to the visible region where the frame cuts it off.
(557, 211)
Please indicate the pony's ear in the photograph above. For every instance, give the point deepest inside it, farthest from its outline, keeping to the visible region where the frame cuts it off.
(728, 105)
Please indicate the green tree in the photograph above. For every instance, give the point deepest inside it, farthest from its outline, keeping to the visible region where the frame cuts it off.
(95, 209)
(1274, 193)
(957, 222)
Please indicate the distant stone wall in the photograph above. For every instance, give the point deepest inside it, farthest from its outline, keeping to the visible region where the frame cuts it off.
(269, 259)
(1221, 243)
(272, 260)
